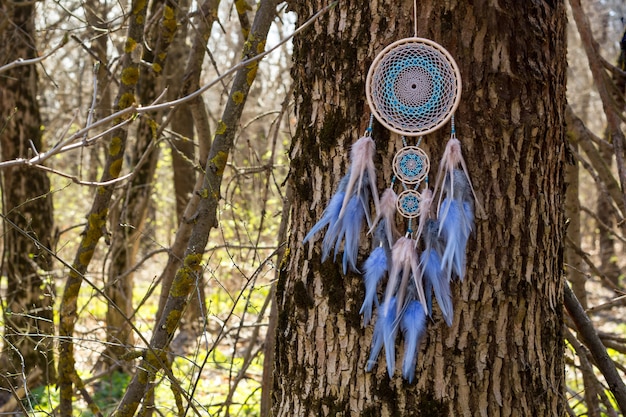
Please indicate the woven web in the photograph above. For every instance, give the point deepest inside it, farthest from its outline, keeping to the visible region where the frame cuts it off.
(408, 203)
(411, 165)
(413, 87)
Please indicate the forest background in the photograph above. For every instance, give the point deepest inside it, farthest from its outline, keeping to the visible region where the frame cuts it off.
(115, 198)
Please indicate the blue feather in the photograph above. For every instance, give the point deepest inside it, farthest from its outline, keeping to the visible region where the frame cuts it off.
(438, 281)
(331, 213)
(329, 217)
(362, 175)
(390, 329)
(456, 187)
(350, 231)
(413, 326)
(404, 265)
(331, 238)
(455, 227)
(375, 268)
(428, 293)
(432, 242)
(364, 196)
(384, 334)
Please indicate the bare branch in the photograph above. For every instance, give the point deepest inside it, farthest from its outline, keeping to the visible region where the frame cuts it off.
(21, 62)
(591, 383)
(590, 338)
(127, 115)
(603, 226)
(592, 265)
(76, 180)
(616, 302)
(604, 177)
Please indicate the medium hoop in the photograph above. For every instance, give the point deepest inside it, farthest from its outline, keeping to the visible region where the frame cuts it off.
(411, 165)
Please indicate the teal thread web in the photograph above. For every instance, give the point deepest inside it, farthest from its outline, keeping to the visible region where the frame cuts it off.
(409, 202)
(413, 88)
(411, 165)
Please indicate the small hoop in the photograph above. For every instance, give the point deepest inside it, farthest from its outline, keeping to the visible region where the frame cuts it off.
(411, 165)
(413, 86)
(408, 203)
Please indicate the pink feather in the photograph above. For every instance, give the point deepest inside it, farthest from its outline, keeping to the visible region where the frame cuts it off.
(452, 159)
(404, 262)
(362, 161)
(425, 205)
(387, 213)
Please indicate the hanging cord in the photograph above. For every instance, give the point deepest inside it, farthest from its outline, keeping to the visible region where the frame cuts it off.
(368, 130)
(415, 17)
(452, 127)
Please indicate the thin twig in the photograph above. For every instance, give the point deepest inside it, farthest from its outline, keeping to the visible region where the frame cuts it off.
(87, 183)
(616, 302)
(19, 394)
(94, 96)
(605, 227)
(603, 175)
(593, 266)
(96, 288)
(22, 62)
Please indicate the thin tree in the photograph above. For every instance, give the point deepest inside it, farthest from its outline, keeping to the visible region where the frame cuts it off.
(98, 214)
(129, 217)
(27, 208)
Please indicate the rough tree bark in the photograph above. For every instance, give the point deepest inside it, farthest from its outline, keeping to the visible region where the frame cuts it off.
(503, 355)
(27, 204)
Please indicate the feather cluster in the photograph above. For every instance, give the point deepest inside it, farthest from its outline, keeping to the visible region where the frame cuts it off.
(403, 305)
(349, 206)
(407, 270)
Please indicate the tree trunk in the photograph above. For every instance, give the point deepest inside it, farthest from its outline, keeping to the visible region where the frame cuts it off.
(95, 13)
(575, 273)
(604, 207)
(503, 355)
(606, 238)
(206, 219)
(129, 225)
(184, 162)
(28, 318)
(98, 213)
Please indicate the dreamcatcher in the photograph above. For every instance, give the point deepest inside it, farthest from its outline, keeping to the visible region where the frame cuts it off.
(413, 88)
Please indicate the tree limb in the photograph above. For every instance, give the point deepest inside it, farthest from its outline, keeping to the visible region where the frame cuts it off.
(21, 62)
(585, 139)
(590, 338)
